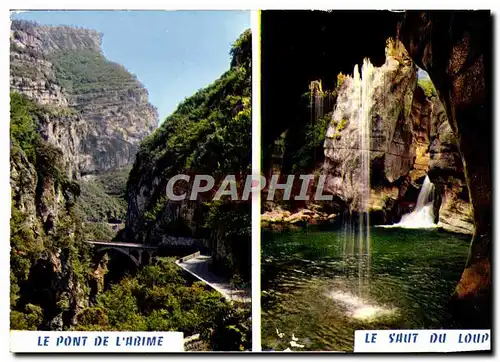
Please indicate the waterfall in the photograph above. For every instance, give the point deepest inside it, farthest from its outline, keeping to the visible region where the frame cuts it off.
(363, 93)
(365, 128)
(423, 215)
(355, 232)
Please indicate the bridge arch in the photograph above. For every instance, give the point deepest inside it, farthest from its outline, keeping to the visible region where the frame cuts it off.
(138, 254)
(135, 259)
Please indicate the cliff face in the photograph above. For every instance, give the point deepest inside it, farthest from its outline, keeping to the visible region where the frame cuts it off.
(67, 120)
(46, 248)
(410, 138)
(388, 102)
(107, 109)
(455, 49)
(208, 134)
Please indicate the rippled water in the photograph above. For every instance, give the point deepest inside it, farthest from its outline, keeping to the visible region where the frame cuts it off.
(312, 291)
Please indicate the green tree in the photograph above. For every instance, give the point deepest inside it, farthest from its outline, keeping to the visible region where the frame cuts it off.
(23, 131)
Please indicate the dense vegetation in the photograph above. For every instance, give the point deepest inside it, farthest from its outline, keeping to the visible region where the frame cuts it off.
(159, 298)
(86, 71)
(209, 133)
(57, 281)
(103, 201)
(428, 87)
(30, 239)
(211, 129)
(302, 143)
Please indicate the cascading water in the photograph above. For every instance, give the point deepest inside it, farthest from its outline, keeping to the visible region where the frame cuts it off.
(365, 126)
(356, 233)
(423, 215)
(363, 93)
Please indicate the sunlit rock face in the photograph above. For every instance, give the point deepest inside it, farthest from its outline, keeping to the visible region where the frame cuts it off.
(388, 105)
(99, 124)
(410, 138)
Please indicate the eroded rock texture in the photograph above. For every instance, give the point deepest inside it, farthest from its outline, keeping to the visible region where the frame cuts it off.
(390, 92)
(84, 124)
(455, 49)
(100, 111)
(410, 138)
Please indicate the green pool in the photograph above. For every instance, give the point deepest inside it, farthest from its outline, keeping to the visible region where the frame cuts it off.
(317, 289)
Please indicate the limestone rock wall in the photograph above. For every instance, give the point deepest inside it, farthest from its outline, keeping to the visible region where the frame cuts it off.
(97, 130)
(410, 138)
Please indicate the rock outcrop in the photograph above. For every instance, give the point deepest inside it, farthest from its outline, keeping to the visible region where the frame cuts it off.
(40, 206)
(410, 138)
(100, 118)
(455, 49)
(390, 92)
(58, 135)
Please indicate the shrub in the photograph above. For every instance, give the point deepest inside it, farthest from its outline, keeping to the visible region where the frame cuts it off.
(22, 125)
(428, 87)
(85, 71)
(158, 298)
(29, 320)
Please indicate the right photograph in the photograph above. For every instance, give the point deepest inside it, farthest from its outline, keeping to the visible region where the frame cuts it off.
(377, 137)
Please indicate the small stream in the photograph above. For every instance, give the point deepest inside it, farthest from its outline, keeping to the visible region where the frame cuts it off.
(311, 289)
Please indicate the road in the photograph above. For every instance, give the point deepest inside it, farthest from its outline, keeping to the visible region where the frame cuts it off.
(199, 267)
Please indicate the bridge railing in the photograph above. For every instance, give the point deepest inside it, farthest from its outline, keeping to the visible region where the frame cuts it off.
(121, 244)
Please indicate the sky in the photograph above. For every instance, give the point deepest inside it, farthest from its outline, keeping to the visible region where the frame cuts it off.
(173, 53)
(422, 74)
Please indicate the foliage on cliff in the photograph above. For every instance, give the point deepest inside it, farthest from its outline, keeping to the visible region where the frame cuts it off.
(23, 131)
(428, 87)
(85, 71)
(52, 274)
(99, 206)
(303, 141)
(159, 297)
(24, 136)
(102, 197)
(33, 238)
(209, 133)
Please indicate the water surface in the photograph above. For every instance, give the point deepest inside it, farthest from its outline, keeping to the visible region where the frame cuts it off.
(317, 289)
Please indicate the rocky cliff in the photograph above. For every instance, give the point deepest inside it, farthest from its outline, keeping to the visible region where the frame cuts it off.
(410, 138)
(48, 257)
(208, 134)
(57, 136)
(106, 109)
(389, 94)
(455, 49)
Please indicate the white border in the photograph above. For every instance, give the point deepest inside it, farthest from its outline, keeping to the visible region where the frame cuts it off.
(5, 181)
(255, 23)
(246, 5)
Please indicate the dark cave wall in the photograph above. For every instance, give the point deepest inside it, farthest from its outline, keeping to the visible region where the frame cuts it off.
(302, 46)
(455, 49)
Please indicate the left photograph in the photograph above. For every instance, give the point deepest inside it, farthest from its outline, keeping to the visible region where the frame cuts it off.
(130, 132)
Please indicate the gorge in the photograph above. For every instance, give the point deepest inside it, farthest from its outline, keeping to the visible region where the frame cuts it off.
(80, 126)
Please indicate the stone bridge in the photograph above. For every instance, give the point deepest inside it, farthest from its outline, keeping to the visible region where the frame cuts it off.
(140, 254)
